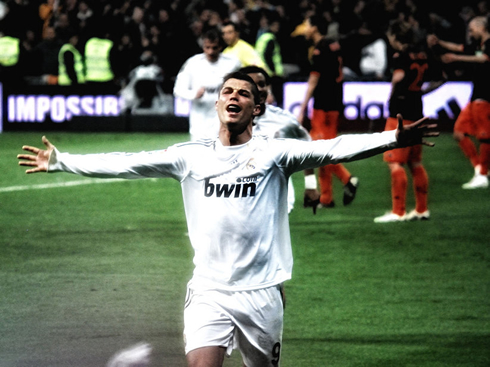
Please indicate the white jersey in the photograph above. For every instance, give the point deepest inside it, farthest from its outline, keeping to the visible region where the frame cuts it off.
(235, 197)
(279, 123)
(198, 72)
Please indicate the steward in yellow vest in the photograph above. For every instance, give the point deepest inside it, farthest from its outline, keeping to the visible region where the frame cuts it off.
(70, 61)
(98, 68)
(10, 55)
(9, 51)
(269, 50)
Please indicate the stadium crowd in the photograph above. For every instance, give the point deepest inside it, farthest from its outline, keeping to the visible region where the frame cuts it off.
(172, 31)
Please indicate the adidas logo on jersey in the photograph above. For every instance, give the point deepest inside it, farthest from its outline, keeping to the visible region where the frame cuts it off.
(245, 186)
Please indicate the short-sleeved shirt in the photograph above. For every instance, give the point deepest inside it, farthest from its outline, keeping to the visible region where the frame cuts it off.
(406, 95)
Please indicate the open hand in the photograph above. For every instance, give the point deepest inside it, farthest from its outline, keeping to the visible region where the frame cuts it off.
(414, 134)
(40, 160)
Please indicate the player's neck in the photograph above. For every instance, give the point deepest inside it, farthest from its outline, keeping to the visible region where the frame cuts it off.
(230, 137)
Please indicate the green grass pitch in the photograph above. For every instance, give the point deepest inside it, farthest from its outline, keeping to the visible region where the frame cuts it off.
(87, 270)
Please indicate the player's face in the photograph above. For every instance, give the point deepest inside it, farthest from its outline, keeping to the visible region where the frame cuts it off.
(230, 35)
(235, 105)
(475, 30)
(259, 79)
(211, 50)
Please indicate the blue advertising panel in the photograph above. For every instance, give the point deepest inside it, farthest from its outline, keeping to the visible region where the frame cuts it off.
(53, 107)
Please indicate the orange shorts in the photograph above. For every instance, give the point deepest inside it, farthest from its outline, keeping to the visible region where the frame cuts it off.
(324, 124)
(401, 155)
(474, 120)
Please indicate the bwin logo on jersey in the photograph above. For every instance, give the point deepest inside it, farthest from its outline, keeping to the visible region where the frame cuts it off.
(243, 188)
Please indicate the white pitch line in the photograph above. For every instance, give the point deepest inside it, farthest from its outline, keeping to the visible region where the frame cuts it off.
(59, 184)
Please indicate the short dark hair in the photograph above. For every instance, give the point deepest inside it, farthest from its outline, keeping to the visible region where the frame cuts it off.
(320, 22)
(235, 26)
(242, 76)
(212, 35)
(252, 69)
(402, 31)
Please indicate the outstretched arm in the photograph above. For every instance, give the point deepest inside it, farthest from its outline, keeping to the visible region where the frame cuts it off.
(158, 163)
(415, 133)
(39, 161)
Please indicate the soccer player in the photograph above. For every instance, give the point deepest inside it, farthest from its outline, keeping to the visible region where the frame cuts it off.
(411, 68)
(276, 122)
(235, 198)
(474, 119)
(199, 80)
(325, 87)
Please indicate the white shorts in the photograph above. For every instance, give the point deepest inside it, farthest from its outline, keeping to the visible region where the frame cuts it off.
(250, 321)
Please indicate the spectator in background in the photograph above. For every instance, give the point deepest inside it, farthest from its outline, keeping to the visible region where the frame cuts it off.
(19, 16)
(127, 57)
(85, 12)
(374, 59)
(344, 17)
(238, 48)
(47, 51)
(143, 93)
(199, 80)
(48, 11)
(64, 30)
(136, 28)
(171, 36)
(365, 49)
(70, 8)
(237, 14)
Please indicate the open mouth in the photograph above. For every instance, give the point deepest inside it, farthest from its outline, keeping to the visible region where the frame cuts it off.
(233, 108)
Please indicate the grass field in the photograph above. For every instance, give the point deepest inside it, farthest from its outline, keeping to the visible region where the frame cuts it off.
(89, 269)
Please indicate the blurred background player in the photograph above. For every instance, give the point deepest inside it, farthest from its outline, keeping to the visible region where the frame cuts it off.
(325, 87)
(276, 122)
(100, 57)
(199, 80)
(410, 70)
(474, 119)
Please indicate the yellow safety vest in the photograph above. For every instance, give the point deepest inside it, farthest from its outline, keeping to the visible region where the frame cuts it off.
(63, 78)
(260, 47)
(97, 63)
(9, 51)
